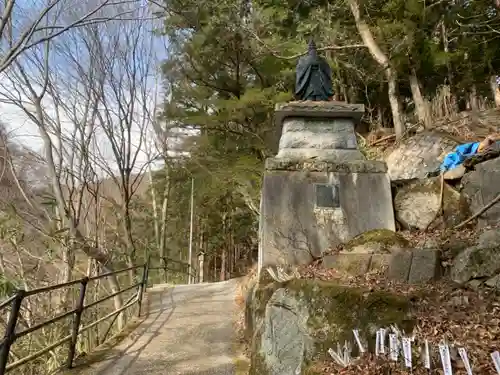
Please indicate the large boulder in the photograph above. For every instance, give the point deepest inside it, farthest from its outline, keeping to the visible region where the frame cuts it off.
(416, 156)
(479, 264)
(476, 263)
(298, 321)
(417, 203)
(489, 238)
(480, 187)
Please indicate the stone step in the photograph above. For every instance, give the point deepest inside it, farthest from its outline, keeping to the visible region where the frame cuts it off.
(413, 266)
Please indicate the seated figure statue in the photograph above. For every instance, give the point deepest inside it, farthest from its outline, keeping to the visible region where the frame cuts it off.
(313, 77)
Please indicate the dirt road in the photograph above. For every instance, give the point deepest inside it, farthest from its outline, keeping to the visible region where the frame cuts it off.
(189, 331)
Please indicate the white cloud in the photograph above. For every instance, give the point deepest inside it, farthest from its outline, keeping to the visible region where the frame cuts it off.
(21, 129)
(24, 131)
(66, 63)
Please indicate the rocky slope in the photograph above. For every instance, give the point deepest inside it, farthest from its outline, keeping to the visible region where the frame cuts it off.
(437, 279)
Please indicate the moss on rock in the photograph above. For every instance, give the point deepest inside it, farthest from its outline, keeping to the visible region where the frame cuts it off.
(339, 309)
(385, 238)
(333, 310)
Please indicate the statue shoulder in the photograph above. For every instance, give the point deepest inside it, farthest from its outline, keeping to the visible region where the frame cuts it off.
(303, 62)
(324, 66)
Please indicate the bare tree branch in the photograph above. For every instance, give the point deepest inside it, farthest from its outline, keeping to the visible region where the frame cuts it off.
(293, 57)
(28, 39)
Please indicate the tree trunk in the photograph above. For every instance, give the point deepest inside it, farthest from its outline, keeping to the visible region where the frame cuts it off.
(129, 240)
(444, 35)
(160, 223)
(495, 92)
(380, 117)
(223, 265)
(164, 213)
(380, 57)
(215, 267)
(421, 105)
(154, 204)
(473, 101)
(201, 240)
(233, 254)
(91, 251)
(206, 263)
(352, 95)
(229, 251)
(397, 117)
(117, 300)
(336, 94)
(451, 105)
(201, 266)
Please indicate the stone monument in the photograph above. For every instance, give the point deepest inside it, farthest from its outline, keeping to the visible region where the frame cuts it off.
(319, 190)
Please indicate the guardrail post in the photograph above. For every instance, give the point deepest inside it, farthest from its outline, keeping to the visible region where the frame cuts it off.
(143, 286)
(10, 330)
(77, 318)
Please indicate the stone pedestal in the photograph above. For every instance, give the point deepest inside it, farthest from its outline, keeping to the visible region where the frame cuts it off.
(319, 190)
(320, 130)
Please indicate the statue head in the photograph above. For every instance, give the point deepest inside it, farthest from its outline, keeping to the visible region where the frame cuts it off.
(311, 49)
(313, 76)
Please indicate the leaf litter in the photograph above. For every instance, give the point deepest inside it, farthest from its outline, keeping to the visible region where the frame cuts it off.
(443, 312)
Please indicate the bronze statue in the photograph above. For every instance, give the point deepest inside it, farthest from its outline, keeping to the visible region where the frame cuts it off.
(313, 77)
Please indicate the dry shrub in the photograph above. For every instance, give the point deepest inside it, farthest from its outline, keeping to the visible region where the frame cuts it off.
(243, 346)
(246, 282)
(443, 104)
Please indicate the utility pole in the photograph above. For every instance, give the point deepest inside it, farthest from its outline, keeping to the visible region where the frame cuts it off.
(190, 279)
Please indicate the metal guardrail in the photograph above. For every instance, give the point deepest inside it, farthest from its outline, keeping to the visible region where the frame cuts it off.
(16, 300)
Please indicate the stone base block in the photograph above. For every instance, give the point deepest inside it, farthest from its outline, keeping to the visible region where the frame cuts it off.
(315, 165)
(416, 266)
(399, 267)
(318, 133)
(380, 262)
(304, 213)
(339, 156)
(353, 264)
(425, 266)
(326, 138)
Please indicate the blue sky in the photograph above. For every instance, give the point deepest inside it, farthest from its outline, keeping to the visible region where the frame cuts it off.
(25, 132)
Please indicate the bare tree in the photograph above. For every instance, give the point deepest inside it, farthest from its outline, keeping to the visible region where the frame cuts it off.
(26, 24)
(383, 60)
(158, 144)
(44, 84)
(123, 86)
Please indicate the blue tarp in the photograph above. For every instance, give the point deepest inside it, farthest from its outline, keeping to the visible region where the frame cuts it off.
(458, 156)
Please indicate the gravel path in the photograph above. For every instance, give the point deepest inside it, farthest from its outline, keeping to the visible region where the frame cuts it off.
(189, 331)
